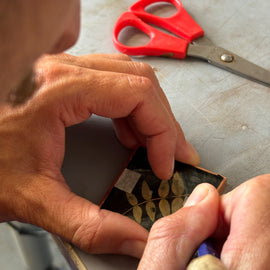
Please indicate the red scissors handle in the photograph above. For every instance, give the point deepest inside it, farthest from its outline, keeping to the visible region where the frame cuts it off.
(180, 23)
(160, 44)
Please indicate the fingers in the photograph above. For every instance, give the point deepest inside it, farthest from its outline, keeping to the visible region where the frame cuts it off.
(245, 216)
(50, 205)
(126, 134)
(121, 89)
(173, 240)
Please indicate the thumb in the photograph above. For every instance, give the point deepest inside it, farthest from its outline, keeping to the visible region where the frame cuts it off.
(174, 239)
(55, 208)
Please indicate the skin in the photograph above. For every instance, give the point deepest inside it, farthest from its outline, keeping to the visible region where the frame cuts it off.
(35, 34)
(67, 91)
(237, 222)
(70, 89)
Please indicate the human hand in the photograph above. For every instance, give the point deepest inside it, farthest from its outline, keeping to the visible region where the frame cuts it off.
(238, 224)
(70, 89)
(173, 239)
(243, 231)
(128, 92)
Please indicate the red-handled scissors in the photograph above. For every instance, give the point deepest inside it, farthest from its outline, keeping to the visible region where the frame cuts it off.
(190, 40)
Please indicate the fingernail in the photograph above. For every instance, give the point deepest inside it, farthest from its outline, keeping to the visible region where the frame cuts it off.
(133, 248)
(198, 194)
(194, 156)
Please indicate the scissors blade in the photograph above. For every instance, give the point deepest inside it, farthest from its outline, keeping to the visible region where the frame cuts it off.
(231, 62)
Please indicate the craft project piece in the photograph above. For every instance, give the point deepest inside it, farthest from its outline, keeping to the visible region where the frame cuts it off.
(141, 196)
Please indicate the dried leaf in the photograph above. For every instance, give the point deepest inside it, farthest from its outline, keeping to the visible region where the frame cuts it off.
(137, 213)
(151, 210)
(146, 191)
(177, 184)
(177, 203)
(164, 207)
(131, 198)
(164, 189)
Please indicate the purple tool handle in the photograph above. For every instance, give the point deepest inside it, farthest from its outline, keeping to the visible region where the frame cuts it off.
(206, 248)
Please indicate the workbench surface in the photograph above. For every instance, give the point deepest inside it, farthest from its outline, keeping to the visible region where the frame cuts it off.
(224, 116)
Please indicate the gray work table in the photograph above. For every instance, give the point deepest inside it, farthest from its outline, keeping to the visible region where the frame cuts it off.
(225, 117)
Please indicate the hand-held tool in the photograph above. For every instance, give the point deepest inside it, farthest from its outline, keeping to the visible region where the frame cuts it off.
(190, 40)
(207, 259)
